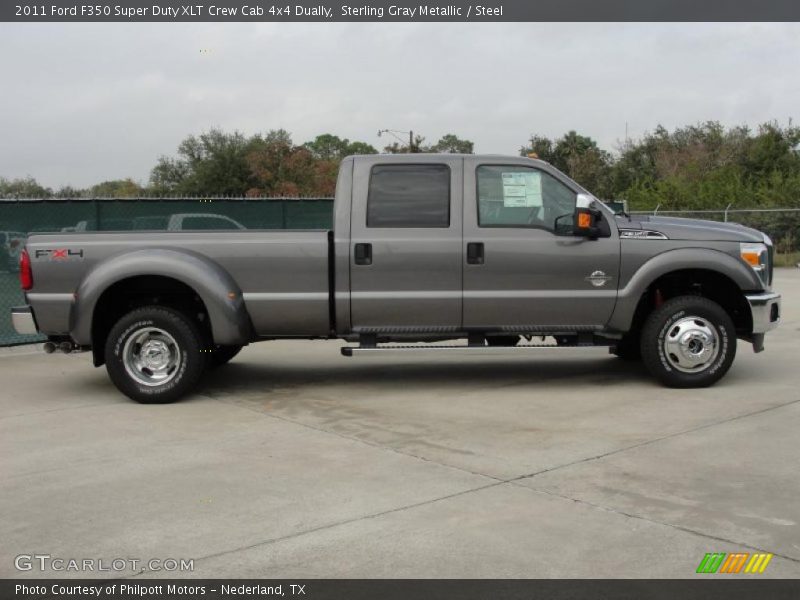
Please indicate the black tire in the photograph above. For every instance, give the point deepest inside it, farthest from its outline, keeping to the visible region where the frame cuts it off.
(502, 340)
(628, 348)
(688, 318)
(222, 355)
(168, 329)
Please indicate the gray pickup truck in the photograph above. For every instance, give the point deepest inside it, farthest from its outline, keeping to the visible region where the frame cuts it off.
(501, 254)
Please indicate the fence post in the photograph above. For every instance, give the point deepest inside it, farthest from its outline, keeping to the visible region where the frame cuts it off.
(726, 211)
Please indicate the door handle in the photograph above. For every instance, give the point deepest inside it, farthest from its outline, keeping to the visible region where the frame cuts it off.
(363, 254)
(475, 253)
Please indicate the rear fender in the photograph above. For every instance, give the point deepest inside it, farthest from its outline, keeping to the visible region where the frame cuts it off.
(230, 323)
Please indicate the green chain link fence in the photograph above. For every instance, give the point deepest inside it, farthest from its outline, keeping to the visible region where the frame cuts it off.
(20, 218)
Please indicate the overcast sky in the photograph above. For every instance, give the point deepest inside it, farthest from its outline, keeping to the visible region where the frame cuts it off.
(82, 103)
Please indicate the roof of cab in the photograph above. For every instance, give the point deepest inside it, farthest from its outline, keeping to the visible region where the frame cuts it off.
(427, 157)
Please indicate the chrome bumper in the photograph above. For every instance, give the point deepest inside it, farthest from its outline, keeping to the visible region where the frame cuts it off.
(766, 311)
(23, 321)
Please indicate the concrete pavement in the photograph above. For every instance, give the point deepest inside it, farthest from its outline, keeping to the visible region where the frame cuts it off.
(293, 461)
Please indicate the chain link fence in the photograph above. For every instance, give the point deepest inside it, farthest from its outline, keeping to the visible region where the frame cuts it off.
(20, 218)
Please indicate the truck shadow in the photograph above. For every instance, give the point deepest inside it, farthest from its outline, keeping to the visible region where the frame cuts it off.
(590, 372)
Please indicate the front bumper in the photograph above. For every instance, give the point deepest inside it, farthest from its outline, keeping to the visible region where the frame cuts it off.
(23, 320)
(766, 311)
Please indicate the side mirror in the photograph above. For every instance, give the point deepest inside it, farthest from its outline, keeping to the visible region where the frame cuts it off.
(565, 225)
(586, 217)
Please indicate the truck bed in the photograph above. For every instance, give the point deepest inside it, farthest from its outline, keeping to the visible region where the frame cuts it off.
(283, 274)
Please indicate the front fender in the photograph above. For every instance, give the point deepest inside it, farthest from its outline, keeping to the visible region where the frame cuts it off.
(230, 323)
(677, 260)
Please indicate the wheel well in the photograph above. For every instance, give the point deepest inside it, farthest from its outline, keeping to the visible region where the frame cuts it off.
(699, 282)
(134, 292)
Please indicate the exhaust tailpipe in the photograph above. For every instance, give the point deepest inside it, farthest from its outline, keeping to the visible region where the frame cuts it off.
(49, 347)
(66, 347)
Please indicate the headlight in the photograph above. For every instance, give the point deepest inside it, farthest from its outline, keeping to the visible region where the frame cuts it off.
(757, 256)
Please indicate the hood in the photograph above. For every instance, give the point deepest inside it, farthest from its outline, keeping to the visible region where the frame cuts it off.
(678, 228)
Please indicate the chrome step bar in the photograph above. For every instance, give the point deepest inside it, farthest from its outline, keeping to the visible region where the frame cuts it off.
(441, 349)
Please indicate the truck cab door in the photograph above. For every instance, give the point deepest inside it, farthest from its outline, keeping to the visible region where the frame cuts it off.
(518, 274)
(405, 245)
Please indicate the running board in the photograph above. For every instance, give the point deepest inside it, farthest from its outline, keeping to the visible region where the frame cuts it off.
(435, 349)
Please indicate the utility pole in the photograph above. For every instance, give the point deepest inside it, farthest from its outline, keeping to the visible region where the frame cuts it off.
(394, 132)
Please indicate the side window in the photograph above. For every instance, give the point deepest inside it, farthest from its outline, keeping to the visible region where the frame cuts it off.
(409, 196)
(513, 196)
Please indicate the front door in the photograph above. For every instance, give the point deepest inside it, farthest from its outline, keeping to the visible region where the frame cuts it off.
(405, 247)
(518, 274)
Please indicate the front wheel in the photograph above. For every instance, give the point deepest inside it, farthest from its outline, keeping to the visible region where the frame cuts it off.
(154, 354)
(688, 342)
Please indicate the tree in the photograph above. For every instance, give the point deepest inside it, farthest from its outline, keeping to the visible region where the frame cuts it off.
(231, 164)
(361, 148)
(213, 163)
(168, 176)
(281, 168)
(540, 147)
(449, 143)
(26, 187)
(398, 148)
(332, 147)
(452, 144)
(119, 188)
(272, 166)
(579, 157)
(67, 191)
(709, 166)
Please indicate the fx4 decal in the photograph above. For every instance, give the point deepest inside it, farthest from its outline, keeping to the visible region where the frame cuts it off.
(59, 253)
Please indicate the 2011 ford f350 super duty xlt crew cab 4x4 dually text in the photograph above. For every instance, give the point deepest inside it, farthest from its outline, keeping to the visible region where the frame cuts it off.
(499, 251)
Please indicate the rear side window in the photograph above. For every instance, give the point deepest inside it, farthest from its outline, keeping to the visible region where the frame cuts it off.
(409, 196)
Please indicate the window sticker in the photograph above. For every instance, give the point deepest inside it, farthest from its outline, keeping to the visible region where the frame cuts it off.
(522, 189)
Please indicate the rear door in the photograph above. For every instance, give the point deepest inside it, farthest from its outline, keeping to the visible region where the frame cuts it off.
(405, 245)
(518, 274)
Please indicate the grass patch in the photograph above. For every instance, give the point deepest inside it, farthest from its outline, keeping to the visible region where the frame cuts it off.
(787, 260)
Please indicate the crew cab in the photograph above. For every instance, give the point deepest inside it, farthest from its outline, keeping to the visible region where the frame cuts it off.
(498, 254)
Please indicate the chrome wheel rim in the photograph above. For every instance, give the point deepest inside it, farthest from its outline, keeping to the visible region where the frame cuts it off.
(691, 344)
(151, 356)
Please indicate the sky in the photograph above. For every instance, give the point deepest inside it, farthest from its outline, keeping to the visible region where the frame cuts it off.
(84, 103)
